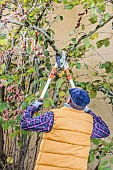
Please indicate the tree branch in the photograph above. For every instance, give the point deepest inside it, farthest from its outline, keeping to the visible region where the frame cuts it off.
(51, 41)
(40, 17)
(92, 32)
(17, 32)
(1, 11)
(105, 91)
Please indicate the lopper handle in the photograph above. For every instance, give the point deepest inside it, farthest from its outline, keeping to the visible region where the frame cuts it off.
(51, 75)
(69, 76)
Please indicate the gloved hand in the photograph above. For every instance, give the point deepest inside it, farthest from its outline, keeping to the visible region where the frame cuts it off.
(86, 109)
(38, 104)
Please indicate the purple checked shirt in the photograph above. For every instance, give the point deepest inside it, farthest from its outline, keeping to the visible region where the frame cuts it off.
(44, 123)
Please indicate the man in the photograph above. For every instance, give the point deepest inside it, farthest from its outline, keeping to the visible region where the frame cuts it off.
(67, 145)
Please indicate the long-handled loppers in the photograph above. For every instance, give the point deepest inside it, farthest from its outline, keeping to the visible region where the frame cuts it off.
(60, 63)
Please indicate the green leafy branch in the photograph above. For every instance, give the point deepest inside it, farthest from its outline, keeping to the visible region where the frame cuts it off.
(92, 32)
(50, 40)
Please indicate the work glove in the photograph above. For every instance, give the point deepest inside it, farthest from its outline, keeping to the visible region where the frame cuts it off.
(86, 109)
(38, 104)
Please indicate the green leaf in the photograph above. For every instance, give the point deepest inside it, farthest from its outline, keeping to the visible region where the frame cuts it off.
(14, 134)
(94, 36)
(2, 2)
(111, 76)
(96, 141)
(106, 16)
(91, 2)
(8, 5)
(99, 43)
(78, 65)
(31, 70)
(105, 65)
(25, 133)
(3, 106)
(2, 68)
(61, 94)
(25, 1)
(82, 84)
(106, 42)
(3, 42)
(20, 144)
(59, 82)
(51, 102)
(46, 53)
(24, 104)
(48, 65)
(111, 160)
(11, 122)
(94, 10)
(69, 6)
(93, 19)
(72, 64)
(74, 40)
(107, 86)
(103, 165)
(28, 50)
(83, 27)
(5, 125)
(93, 93)
(105, 148)
(91, 157)
(94, 73)
(86, 42)
(46, 103)
(18, 118)
(101, 7)
(89, 87)
(105, 168)
(9, 160)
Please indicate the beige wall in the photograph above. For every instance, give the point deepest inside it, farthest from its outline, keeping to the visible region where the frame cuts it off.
(93, 57)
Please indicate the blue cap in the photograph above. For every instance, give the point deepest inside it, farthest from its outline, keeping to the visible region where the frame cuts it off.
(79, 97)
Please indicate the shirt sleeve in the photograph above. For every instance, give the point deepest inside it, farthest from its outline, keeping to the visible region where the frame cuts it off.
(100, 129)
(42, 123)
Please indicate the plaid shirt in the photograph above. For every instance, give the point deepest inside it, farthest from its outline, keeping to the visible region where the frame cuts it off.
(44, 123)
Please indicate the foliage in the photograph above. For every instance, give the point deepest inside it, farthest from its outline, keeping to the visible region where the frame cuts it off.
(101, 151)
(25, 58)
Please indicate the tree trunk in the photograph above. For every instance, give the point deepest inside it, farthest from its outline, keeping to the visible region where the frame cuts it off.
(1, 148)
(2, 156)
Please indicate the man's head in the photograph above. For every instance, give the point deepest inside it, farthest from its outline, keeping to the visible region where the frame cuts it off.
(78, 98)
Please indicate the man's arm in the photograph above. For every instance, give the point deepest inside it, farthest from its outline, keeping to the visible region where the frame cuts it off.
(100, 129)
(41, 123)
